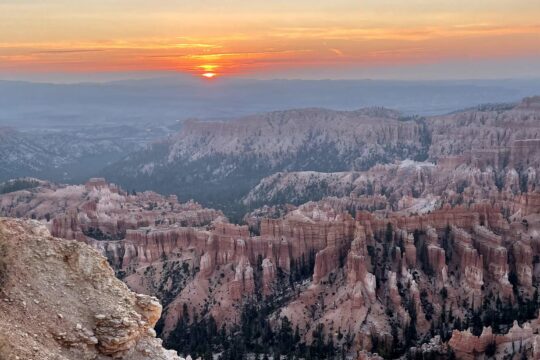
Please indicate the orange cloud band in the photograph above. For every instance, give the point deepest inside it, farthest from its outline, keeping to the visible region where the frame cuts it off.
(280, 48)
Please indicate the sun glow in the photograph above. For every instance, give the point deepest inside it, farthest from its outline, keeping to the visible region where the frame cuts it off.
(265, 39)
(208, 67)
(209, 75)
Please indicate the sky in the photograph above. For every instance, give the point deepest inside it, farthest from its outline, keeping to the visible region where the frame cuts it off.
(311, 39)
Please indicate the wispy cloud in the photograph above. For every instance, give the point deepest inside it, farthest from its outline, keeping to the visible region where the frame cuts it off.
(197, 46)
(337, 52)
(68, 51)
(404, 34)
(287, 47)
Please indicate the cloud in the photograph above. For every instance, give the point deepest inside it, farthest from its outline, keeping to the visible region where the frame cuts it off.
(337, 52)
(68, 51)
(402, 34)
(197, 46)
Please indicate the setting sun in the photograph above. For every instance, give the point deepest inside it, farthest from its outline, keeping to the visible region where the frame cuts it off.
(208, 67)
(209, 75)
(304, 39)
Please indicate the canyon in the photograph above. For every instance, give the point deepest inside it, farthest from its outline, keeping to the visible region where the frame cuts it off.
(216, 163)
(405, 237)
(220, 162)
(365, 280)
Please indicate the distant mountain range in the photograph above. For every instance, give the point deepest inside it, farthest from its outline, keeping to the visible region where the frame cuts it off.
(68, 155)
(144, 134)
(218, 163)
(165, 100)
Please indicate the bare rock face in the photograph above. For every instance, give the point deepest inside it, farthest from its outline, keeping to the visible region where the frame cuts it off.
(522, 253)
(519, 340)
(269, 276)
(492, 129)
(436, 255)
(102, 211)
(207, 265)
(495, 256)
(491, 152)
(62, 301)
(358, 263)
(471, 261)
(526, 204)
(326, 260)
(410, 249)
(312, 226)
(242, 284)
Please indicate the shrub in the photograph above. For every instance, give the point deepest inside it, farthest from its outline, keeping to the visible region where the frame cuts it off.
(491, 349)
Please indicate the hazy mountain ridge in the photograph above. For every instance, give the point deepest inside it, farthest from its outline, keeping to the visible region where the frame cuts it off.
(73, 129)
(165, 100)
(221, 161)
(492, 143)
(67, 154)
(490, 129)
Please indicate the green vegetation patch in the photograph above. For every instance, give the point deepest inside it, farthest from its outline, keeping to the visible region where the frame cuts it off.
(17, 185)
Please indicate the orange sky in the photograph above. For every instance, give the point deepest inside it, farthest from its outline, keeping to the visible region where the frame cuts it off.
(256, 37)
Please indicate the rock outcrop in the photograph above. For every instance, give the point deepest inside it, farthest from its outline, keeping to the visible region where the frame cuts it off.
(60, 300)
(518, 341)
(101, 211)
